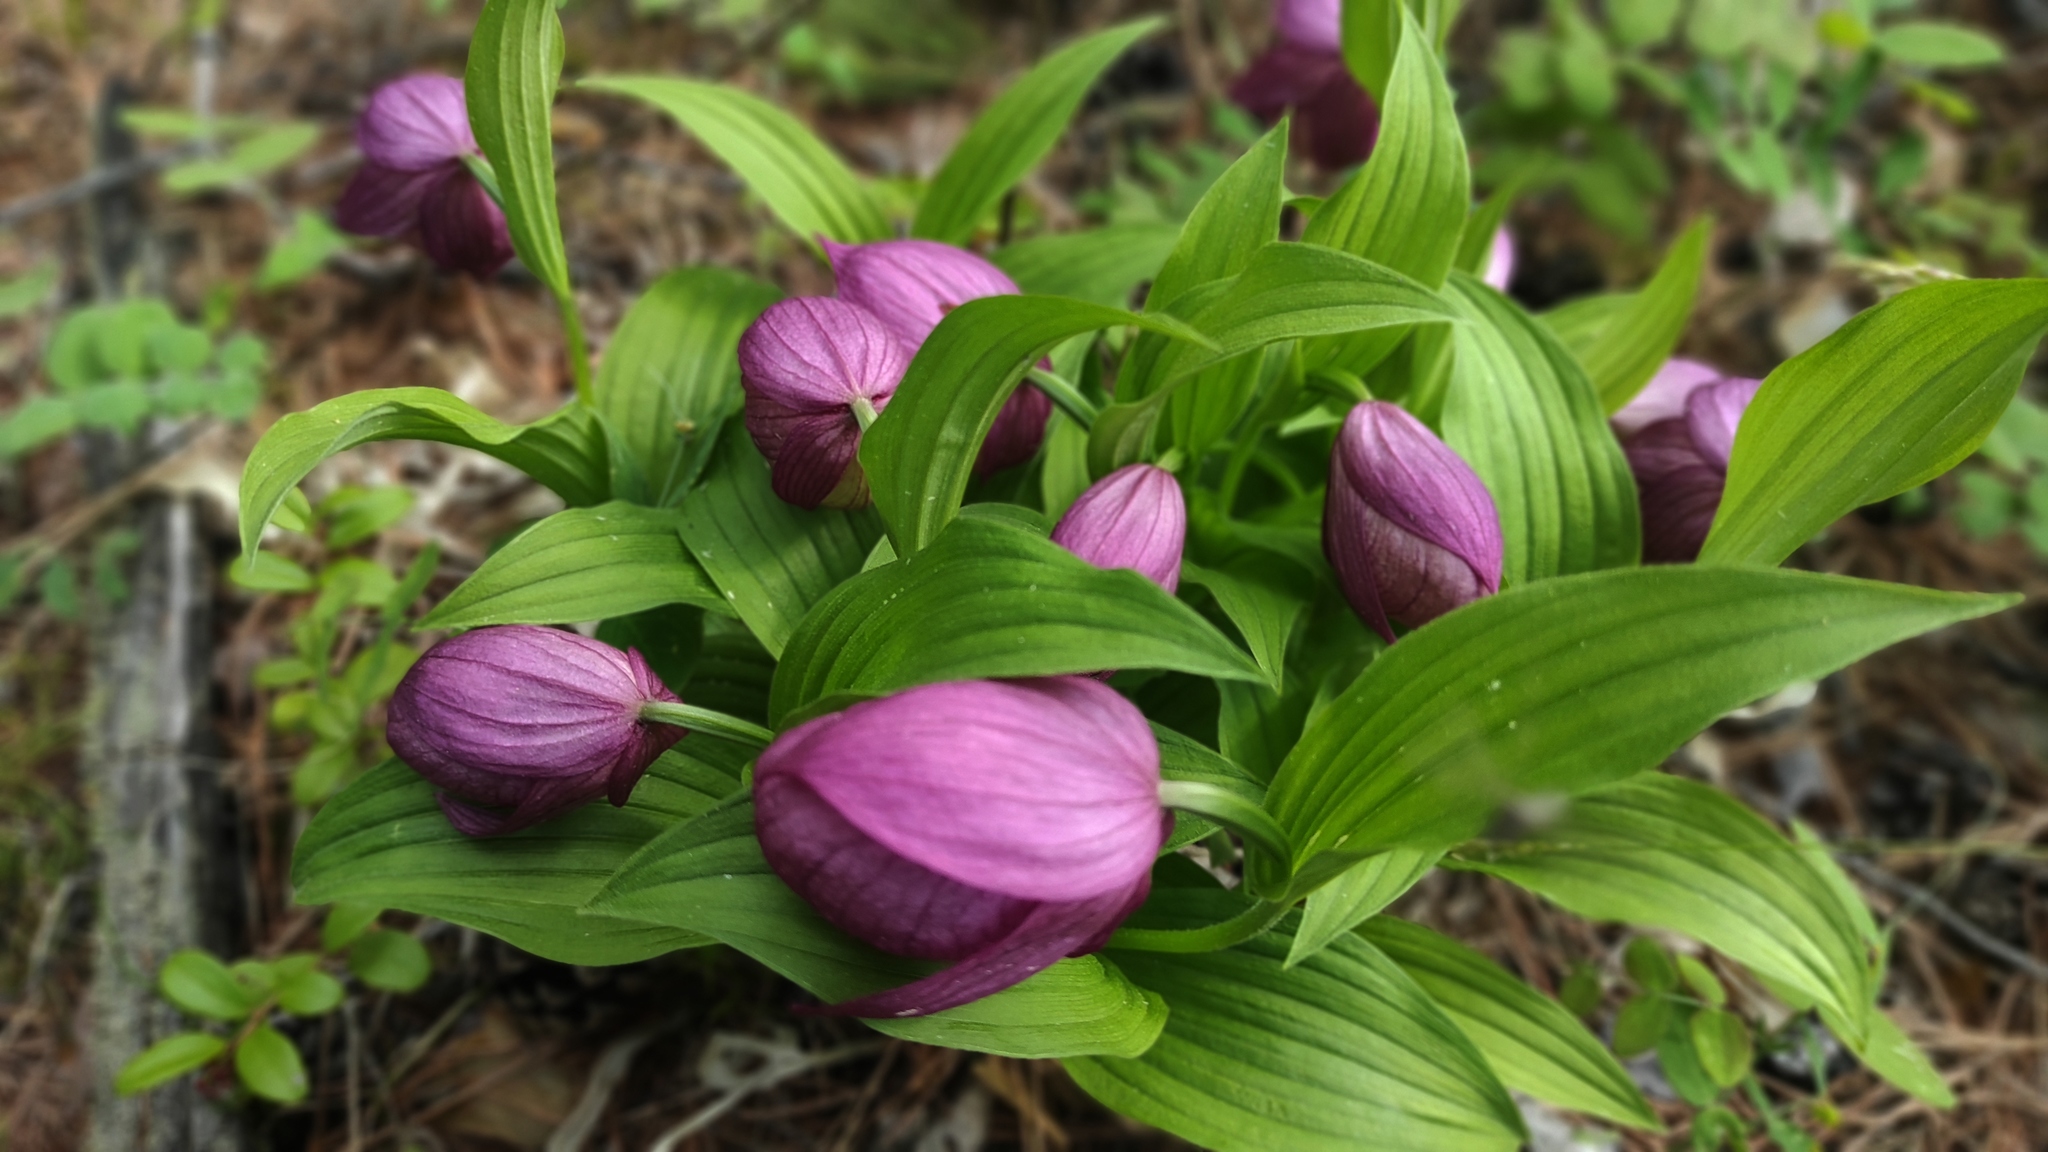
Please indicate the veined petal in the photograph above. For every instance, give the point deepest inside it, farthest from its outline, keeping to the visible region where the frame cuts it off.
(416, 123)
(910, 285)
(815, 355)
(1018, 430)
(462, 229)
(382, 201)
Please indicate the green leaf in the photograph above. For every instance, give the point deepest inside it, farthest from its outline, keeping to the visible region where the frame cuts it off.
(1936, 44)
(1475, 240)
(27, 291)
(268, 1065)
(36, 422)
(1637, 336)
(1640, 23)
(1888, 1052)
(808, 187)
(168, 1059)
(1342, 1052)
(991, 599)
(1641, 1025)
(1015, 132)
(1521, 412)
(578, 565)
(1101, 265)
(709, 876)
(201, 985)
(1649, 965)
(390, 961)
(269, 572)
(771, 560)
(383, 842)
(1185, 758)
(300, 252)
(1901, 394)
(1702, 981)
(1721, 1042)
(515, 59)
(564, 452)
(1564, 685)
(260, 154)
(1236, 217)
(1371, 32)
(920, 451)
(310, 992)
(1263, 610)
(1532, 1043)
(669, 378)
(1357, 896)
(353, 514)
(345, 921)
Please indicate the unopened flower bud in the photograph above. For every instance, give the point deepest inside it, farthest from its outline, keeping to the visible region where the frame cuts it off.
(911, 285)
(1678, 434)
(414, 136)
(999, 825)
(517, 724)
(815, 370)
(1135, 517)
(1500, 261)
(1407, 524)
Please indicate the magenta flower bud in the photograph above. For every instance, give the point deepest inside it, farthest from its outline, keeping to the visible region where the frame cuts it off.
(814, 370)
(998, 825)
(1500, 261)
(911, 285)
(413, 182)
(517, 724)
(1135, 517)
(1678, 434)
(1335, 121)
(1407, 524)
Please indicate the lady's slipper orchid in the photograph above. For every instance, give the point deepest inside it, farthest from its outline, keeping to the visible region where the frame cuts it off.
(999, 825)
(518, 724)
(1407, 524)
(1334, 119)
(911, 285)
(1678, 434)
(414, 136)
(1135, 517)
(815, 371)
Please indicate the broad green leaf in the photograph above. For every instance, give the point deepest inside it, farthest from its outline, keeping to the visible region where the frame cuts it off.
(1564, 685)
(1888, 1052)
(258, 155)
(1582, 323)
(383, 842)
(1640, 23)
(1520, 411)
(771, 560)
(35, 422)
(1263, 610)
(269, 572)
(1475, 240)
(515, 60)
(789, 168)
(1357, 896)
(1185, 758)
(300, 252)
(991, 599)
(1720, 1040)
(578, 565)
(1236, 217)
(708, 876)
(1343, 1052)
(27, 291)
(346, 921)
(390, 961)
(1532, 1043)
(168, 1059)
(920, 452)
(1371, 32)
(1636, 339)
(269, 1066)
(669, 378)
(1901, 394)
(1937, 44)
(564, 452)
(310, 992)
(201, 985)
(1101, 265)
(354, 514)
(1015, 132)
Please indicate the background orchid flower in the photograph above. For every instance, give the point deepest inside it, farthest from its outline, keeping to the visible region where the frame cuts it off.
(999, 825)
(815, 370)
(517, 725)
(1407, 524)
(1135, 517)
(1678, 434)
(1335, 120)
(414, 135)
(911, 285)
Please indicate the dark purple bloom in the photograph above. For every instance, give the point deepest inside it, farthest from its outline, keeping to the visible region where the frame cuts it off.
(911, 285)
(517, 724)
(1409, 527)
(999, 825)
(1678, 434)
(1334, 119)
(1135, 517)
(812, 369)
(413, 182)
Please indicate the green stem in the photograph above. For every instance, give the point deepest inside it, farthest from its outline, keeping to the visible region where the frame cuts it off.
(863, 411)
(1216, 937)
(1065, 394)
(579, 349)
(1171, 460)
(708, 722)
(1266, 871)
(1338, 382)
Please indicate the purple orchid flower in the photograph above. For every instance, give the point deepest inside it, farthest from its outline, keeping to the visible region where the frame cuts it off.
(413, 182)
(1678, 434)
(998, 825)
(1408, 525)
(911, 285)
(1135, 517)
(517, 724)
(815, 370)
(1335, 120)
